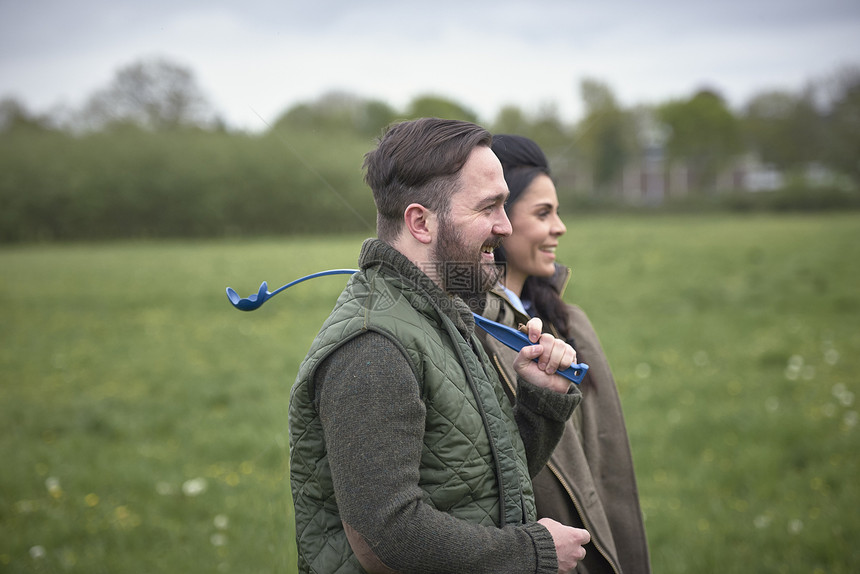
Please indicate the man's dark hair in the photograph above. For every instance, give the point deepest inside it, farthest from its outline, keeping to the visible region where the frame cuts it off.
(418, 161)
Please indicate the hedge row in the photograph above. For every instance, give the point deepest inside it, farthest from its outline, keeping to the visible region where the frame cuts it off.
(197, 184)
(131, 183)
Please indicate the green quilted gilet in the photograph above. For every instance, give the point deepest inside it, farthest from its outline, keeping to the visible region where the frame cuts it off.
(375, 299)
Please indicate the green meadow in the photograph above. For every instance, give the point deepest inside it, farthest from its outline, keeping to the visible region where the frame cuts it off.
(143, 421)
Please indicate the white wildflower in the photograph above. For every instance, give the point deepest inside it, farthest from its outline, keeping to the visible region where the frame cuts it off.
(194, 486)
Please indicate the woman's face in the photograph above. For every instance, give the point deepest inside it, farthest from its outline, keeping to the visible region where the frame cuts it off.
(530, 249)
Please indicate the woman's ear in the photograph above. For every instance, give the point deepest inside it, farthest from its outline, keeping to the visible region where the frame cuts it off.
(420, 222)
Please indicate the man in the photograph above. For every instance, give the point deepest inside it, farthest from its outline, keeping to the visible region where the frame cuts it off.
(405, 454)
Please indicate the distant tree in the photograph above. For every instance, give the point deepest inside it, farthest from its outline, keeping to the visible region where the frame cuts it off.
(153, 94)
(511, 120)
(704, 134)
(842, 149)
(376, 115)
(597, 95)
(606, 134)
(783, 128)
(439, 107)
(549, 130)
(301, 115)
(545, 127)
(15, 116)
(335, 111)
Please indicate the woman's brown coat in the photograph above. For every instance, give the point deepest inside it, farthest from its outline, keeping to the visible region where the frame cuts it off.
(589, 480)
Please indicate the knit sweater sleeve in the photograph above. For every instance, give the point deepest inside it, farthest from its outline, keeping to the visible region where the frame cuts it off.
(373, 419)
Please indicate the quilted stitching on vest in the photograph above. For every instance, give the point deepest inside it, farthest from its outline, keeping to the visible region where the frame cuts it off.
(459, 463)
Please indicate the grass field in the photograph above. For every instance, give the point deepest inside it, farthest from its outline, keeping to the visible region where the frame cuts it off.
(143, 419)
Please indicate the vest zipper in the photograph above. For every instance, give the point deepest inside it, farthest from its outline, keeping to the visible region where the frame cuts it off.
(493, 452)
(504, 377)
(578, 508)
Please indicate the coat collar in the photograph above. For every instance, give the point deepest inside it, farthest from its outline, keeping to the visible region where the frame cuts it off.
(560, 278)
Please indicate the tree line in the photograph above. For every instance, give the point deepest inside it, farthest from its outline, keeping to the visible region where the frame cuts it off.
(148, 156)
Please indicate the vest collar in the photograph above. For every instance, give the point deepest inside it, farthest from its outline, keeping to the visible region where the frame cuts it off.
(376, 253)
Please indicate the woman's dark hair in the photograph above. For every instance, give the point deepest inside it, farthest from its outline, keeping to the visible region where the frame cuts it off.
(418, 161)
(522, 161)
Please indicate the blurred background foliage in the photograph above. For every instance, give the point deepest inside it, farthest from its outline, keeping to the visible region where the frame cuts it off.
(148, 156)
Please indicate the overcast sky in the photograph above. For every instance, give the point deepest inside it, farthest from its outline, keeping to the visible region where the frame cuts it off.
(260, 57)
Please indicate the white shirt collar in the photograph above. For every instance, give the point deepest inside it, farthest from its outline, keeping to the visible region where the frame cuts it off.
(515, 301)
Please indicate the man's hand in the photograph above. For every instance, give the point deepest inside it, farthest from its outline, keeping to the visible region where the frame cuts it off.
(569, 543)
(552, 355)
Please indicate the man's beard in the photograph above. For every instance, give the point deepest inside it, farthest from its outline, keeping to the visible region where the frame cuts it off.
(460, 270)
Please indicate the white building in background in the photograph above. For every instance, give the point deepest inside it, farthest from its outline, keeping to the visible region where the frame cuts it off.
(760, 177)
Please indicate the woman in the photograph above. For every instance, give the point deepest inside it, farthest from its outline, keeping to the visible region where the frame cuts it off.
(589, 480)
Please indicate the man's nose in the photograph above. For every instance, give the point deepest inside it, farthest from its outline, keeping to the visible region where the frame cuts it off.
(503, 225)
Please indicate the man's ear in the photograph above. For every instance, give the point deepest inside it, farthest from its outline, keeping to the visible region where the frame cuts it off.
(420, 222)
